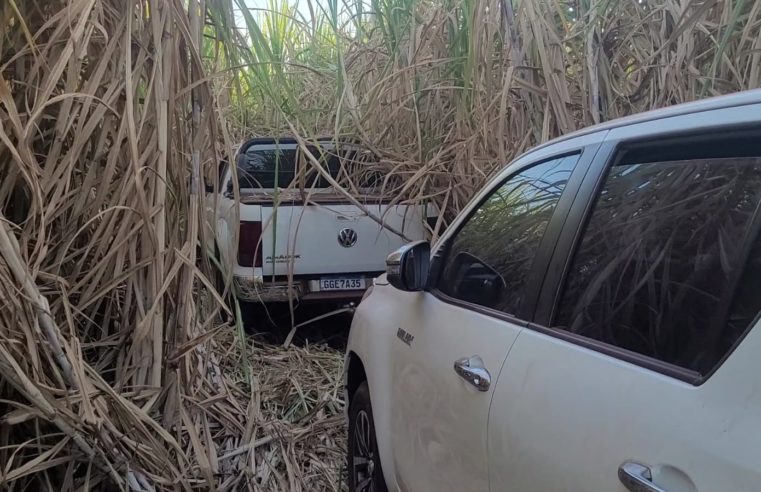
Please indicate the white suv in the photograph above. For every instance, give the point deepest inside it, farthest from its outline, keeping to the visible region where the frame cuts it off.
(588, 323)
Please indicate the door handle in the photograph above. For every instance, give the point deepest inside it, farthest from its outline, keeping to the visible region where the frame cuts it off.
(637, 477)
(472, 370)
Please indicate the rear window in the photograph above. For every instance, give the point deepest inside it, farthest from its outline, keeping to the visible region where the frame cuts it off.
(272, 166)
(266, 168)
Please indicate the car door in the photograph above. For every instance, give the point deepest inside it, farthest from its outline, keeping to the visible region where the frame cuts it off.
(453, 338)
(641, 371)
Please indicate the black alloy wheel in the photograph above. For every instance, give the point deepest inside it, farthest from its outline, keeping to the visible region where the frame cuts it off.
(365, 473)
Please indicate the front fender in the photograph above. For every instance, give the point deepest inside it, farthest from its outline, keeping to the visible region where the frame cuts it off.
(371, 342)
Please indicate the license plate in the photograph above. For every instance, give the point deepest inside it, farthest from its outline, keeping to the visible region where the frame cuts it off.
(342, 283)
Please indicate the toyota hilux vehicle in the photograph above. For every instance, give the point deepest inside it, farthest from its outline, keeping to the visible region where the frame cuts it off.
(590, 322)
(295, 236)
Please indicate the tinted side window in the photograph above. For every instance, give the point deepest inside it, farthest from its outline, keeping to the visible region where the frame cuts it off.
(746, 302)
(660, 260)
(490, 257)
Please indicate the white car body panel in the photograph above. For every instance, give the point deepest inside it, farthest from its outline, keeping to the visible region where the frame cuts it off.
(595, 412)
(561, 410)
(372, 343)
(310, 234)
(432, 419)
(458, 463)
(439, 421)
(556, 410)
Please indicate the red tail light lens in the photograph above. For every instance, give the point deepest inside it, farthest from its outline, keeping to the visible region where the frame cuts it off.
(249, 249)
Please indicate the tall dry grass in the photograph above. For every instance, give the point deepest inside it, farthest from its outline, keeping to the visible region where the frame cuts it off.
(113, 111)
(109, 376)
(448, 91)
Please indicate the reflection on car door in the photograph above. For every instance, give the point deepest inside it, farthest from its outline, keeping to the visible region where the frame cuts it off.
(454, 339)
(646, 376)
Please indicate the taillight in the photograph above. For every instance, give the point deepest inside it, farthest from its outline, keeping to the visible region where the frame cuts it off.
(249, 249)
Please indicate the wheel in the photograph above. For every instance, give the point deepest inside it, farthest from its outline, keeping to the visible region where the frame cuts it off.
(365, 473)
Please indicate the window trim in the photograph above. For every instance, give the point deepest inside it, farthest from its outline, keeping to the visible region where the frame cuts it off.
(477, 308)
(644, 361)
(534, 278)
(610, 153)
(731, 350)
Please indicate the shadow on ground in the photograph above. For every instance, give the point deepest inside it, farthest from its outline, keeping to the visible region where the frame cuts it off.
(273, 324)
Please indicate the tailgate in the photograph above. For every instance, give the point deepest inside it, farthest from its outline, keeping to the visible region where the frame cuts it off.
(334, 238)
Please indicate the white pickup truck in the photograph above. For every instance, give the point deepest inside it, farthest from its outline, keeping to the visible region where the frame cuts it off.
(296, 237)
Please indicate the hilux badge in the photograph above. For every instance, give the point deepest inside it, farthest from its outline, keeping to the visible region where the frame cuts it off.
(405, 337)
(347, 237)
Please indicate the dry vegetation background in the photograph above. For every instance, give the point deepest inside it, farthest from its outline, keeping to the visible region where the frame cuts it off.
(114, 369)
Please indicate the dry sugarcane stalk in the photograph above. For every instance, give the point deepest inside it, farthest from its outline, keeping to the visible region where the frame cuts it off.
(10, 253)
(108, 121)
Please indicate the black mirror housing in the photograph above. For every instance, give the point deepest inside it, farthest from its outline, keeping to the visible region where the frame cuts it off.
(407, 268)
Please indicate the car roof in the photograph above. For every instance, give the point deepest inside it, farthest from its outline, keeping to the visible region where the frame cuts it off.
(743, 98)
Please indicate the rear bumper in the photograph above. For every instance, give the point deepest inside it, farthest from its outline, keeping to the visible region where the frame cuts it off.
(257, 289)
(248, 289)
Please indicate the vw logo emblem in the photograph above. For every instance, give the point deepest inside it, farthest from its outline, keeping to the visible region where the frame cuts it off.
(347, 237)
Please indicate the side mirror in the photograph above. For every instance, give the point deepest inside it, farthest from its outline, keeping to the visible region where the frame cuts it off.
(407, 267)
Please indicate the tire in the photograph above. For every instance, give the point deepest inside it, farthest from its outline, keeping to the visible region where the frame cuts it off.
(363, 461)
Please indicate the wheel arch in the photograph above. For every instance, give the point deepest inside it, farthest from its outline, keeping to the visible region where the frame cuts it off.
(369, 356)
(355, 375)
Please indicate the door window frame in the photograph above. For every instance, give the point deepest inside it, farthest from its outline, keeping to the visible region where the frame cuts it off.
(609, 154)
(534, 280)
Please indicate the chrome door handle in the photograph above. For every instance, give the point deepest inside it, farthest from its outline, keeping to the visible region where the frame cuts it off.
(472, 370)
(637, 477)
